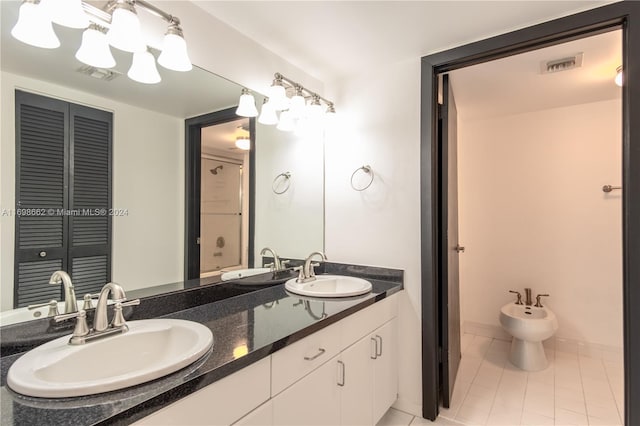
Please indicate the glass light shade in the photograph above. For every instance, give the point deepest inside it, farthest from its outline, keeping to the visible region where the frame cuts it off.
(95, 50)
(286, 123)
(125, 32)
(143, 68)
(297, 106)
(34, 27)
(268, 114)
(278, 97)
(314, 110)
(68, 13)
(243, 143)
(247, 106)
(174, 54)
(619, 77)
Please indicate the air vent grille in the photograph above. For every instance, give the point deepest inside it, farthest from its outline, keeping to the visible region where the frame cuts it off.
(98, 73)
(564, 64)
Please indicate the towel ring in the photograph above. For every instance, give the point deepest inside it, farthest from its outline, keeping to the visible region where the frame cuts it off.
(367, 169)
(285, 175)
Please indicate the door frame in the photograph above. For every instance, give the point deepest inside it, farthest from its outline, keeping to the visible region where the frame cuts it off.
(623, 15)
(193, 154)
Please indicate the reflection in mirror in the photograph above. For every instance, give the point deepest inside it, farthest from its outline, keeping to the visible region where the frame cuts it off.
(148, 165)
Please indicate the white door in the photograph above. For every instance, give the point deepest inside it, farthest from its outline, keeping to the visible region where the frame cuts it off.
(385, 370)
(355, 378)
(314, 400)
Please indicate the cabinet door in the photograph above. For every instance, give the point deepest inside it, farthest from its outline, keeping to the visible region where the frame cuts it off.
(314, 400)
(261, 416)
(355, 378)
(385, 370)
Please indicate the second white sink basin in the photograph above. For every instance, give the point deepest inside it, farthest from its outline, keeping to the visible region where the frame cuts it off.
(149, 350)
(330, 286)
(242, 273)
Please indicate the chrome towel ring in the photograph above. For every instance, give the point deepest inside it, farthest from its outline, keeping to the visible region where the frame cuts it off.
(366, 169)
(281, 183)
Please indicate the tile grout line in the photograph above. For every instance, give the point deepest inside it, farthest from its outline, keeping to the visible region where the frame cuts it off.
(615, 401)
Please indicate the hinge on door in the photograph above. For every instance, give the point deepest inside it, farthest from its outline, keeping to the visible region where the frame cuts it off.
(198, 241)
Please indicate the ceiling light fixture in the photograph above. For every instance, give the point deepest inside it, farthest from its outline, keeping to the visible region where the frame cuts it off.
(95, 50)
(296, 114)
(119, 18)
(619, 76)
(247, 104)
(34, 26)
(243, 142)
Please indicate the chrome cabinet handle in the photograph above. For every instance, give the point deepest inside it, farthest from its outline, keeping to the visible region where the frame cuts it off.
(378, 353)
(374, 347)
(342, 373)
(311, 358)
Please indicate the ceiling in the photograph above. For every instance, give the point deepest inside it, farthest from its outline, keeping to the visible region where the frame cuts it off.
(179, 94)
(334, 39)
(223, 136)
(515, 84)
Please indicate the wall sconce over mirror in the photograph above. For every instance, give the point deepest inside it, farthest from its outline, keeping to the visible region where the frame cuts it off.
(299, 107)
(116, 25)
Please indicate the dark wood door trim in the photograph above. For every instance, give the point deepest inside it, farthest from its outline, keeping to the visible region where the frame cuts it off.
(624, 15)
(193, 152)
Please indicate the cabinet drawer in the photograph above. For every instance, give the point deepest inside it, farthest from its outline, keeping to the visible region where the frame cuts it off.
(294, 362)
(361, 323)
(220, 403)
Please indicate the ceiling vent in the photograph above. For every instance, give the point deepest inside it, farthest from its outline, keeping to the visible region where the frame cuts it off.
(564, 64)
(99, 73)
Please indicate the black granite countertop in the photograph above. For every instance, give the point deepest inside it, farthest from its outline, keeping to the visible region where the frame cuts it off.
(263, 319)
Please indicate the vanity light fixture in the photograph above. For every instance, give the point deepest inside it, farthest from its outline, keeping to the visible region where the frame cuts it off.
(304, 109)
(619, 76)
(143, 68)
(95, 50)
(268, 114)
(247, 104)
(243, 143)
(34, 26)
(119, 18)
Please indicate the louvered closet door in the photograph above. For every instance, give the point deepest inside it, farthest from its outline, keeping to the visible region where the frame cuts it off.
(41, 179)
(90, 198)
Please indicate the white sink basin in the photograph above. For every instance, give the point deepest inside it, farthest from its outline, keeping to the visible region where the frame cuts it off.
(149, 350)
(330, 286)
(242, 273)
(17, 315)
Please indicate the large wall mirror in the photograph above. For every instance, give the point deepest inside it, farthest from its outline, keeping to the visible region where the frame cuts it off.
(147, 229)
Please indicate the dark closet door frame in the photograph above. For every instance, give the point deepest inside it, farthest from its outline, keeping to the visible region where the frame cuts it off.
(624, 15)
(193, 153)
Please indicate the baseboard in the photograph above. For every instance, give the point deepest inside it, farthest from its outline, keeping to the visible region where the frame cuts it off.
(408, 407)
(560, 344)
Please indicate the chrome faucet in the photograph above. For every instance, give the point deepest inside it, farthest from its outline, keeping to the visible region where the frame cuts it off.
(278, 264)
(61, 277)
(306, 271)
(527, 297)
(101, 326)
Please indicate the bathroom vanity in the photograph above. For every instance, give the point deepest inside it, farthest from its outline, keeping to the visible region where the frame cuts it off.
(277, 358)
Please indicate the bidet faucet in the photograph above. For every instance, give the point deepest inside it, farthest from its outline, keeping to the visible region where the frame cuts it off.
(277, 265)
(527, 297)
(61, 277)
(306, 271)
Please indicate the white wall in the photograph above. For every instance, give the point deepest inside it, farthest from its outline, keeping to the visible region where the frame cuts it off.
(148, 181)
(379, 126)
(532, 214)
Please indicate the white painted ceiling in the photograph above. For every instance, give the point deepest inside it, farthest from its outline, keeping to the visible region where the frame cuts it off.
(222, 137)
(515, 85)
(179, 94)
(333, 39)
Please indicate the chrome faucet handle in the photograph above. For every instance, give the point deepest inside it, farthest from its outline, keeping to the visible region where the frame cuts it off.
(86, 305)
(271, 266)
(538, 304)
(118, 318)
(81, 329)
(284, 263)
(519, 295)
(53, 307)
(312, 272)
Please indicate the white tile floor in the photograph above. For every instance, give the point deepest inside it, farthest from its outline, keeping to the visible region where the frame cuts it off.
(574, 390)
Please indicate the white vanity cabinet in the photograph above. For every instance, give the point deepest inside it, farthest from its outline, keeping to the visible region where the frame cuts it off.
(344, 374)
